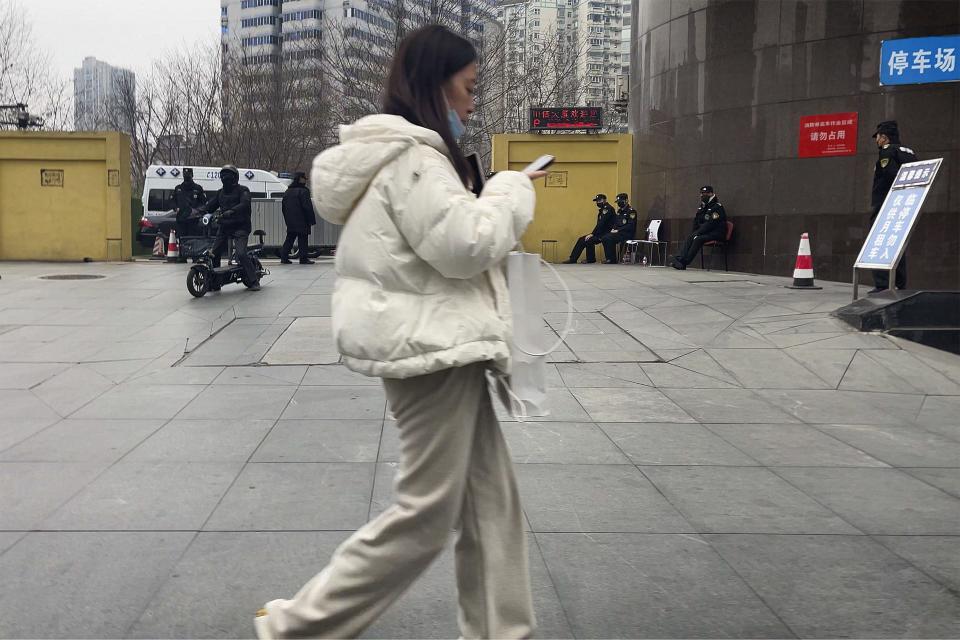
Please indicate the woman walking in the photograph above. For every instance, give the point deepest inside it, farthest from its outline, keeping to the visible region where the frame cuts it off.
(421, 301)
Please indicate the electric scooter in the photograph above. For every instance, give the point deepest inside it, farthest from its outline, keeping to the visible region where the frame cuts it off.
(204, 277)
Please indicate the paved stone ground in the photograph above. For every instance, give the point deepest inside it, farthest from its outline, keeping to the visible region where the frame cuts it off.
(724, 460)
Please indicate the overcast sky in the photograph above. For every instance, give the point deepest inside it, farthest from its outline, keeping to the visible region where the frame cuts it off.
(125, 33)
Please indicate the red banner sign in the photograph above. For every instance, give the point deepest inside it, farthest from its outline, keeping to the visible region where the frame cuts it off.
(832, 134)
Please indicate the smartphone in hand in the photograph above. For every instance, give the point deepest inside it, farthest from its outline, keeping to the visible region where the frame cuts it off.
(541, 163)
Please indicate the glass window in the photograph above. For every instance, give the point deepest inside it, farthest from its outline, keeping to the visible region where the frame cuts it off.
(257, 194)
(160, 200)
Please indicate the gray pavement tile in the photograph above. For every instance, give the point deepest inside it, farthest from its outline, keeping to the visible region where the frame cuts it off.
(766, 369)
(19, 404)
(333, 403)
(83, 441)
(935, 555)
(34, 490)
(306, 341)
(336, 375)
(72, 389)
(739, 338)
(321, 441)
(851, 341)
(782, 445)
(880, 501)
(147, 496)
(117, 371)
(603, 375)
(735, 406)
(841, 587)
(700, 362)
(178, 375)
(847, 407)
(673, 376)
(15, 430)
(26, 375)
(10, 538)
(224, 577)
(652, 586)
(640, 405)
(742, 500)
(616, 356)
(561, 442)
(296, 496)
(899, 446)
(597, 498)
(915, 372)
(225, 401)
(673, 444)
(83, 585)
(383, 494)
(34, 333)
(138, 401)
(262, 376)
(940, 411)
(947, 480)
(866, 374)
(202, 441)
(561, 404)
(390, 442)
(828, 364)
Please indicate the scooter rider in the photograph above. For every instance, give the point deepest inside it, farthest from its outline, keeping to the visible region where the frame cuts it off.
(233, 201)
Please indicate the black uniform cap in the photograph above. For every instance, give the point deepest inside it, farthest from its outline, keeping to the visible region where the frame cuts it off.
(622, 196)
(706, 189)
(887, 128)
(600, 196)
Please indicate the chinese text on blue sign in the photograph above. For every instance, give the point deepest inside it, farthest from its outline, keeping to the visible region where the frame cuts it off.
(919, 60)
(891, 229)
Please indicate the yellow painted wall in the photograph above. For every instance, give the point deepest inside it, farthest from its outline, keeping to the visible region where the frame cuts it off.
(593, 164)
(88, 217)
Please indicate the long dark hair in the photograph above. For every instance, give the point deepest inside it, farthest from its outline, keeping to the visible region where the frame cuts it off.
(425, 60)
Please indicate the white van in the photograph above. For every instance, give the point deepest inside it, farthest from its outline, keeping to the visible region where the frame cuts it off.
(161, 180)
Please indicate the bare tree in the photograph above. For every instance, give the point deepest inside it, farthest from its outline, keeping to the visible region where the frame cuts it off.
(26, 73)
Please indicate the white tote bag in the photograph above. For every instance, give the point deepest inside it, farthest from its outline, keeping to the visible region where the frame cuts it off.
(526, 390)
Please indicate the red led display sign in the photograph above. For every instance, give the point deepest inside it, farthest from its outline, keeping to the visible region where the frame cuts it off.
(569, 118)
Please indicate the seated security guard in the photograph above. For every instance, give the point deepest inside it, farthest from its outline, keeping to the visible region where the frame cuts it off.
(606, 218)
(624, 229)
(233, 201)
(709, 224)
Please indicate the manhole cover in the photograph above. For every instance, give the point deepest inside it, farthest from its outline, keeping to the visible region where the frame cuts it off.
(73, 276)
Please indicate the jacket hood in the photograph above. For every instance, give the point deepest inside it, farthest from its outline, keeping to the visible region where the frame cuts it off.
(342, 174)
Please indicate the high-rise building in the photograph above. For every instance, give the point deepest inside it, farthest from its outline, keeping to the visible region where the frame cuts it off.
(98, 89)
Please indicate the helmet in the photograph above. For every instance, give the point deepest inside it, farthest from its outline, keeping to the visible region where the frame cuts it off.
(188, 173)
(229, 175)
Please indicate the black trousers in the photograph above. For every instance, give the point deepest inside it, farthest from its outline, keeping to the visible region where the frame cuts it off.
(590, 245)
(239, 237)
(692, 247)
(610, 243)
(301, 238)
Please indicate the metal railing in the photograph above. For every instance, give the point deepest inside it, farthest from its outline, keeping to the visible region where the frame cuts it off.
(268, 216)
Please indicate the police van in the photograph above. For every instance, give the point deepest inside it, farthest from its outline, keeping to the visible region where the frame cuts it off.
(161, 180)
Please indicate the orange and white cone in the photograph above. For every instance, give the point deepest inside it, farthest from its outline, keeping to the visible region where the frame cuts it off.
(803, 272)
(159, 247)
(173, 247)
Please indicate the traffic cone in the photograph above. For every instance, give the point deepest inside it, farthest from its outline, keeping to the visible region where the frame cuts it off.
(803, 272)
(173, 247)
(159, 247)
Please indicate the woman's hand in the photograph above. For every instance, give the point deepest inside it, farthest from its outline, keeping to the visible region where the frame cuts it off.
(535, 175)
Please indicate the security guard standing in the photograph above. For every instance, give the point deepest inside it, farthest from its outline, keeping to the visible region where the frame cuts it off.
(892, 155)
(606, 219)
(624, 229)
(710, 224)
(233, 201)
(189, 197)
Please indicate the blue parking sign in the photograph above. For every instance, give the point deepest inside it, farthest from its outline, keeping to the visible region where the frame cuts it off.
(919, 60)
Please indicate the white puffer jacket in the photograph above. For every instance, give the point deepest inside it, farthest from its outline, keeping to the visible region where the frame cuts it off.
(420, 285)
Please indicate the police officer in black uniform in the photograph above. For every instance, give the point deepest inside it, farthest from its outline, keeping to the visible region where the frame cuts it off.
(709, 224)
(189, 197)
(624, 229)
(233, 201)
(892, 155)
(606, 218)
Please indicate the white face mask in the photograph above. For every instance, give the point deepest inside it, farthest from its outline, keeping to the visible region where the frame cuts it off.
(457, 128)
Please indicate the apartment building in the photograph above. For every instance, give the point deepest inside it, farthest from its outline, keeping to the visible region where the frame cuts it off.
(96, 86)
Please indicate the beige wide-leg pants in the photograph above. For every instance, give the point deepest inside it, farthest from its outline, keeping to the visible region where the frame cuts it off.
(455, 472)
